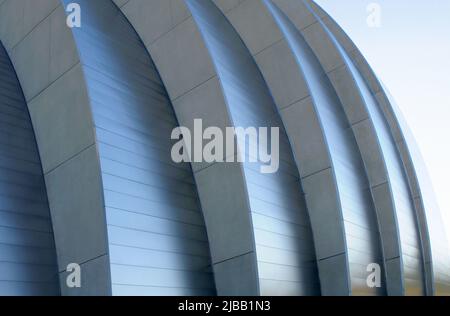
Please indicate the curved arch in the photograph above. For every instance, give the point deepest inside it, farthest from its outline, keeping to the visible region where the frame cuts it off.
(354, 200)
(132, 219)
(432, 231)
(346, 241)
(318, 130)
(196, 89)
(45, 58)
(27, 248)
(398, 226)
(63, 113)
(276, 202)
(157, 240)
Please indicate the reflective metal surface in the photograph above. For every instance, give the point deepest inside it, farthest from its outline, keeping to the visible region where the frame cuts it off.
(157, 238)
(27, 248)
(354, 199)
(409, 233)
(434, 241)
(351, 190)
(411, 258)
(282, 232)
(434, 229)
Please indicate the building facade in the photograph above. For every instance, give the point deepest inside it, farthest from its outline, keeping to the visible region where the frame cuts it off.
(87, 178)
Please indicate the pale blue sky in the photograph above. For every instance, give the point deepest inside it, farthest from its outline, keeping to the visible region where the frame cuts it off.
(410, 52)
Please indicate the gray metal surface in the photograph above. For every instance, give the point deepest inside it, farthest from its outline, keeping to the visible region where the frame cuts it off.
(27, 248)
(353, 199)
(157, 238)
(434, 241)
(282, 233)
(195, 92)
(43, 52)
(383, 164)
(131, 217)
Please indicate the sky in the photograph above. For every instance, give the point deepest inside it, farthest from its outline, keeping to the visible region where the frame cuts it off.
(410, 53)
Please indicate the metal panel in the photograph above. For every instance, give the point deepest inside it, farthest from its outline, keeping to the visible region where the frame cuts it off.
(27, 248)
(432, 225)
(361, 229)
(383, 164)
(408, 229)
(437, 258)
(282, 231)
(157, 237)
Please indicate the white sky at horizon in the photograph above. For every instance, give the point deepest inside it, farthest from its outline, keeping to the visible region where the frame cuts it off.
(410, 52)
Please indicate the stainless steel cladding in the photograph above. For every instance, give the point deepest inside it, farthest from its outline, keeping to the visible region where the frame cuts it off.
(27, 246)
(88, 176)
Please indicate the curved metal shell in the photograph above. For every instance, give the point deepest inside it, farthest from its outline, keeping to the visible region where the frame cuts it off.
(156, 234)
(103, 100)
(27, 246)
